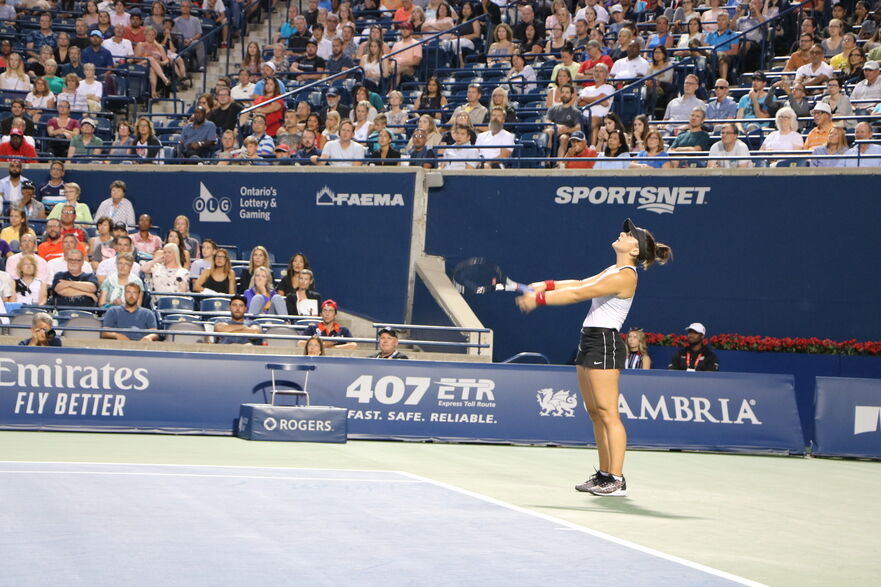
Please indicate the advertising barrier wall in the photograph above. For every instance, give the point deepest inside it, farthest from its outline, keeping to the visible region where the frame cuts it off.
(848, 417)
(202, 393)
(345, 222)
(755, 254)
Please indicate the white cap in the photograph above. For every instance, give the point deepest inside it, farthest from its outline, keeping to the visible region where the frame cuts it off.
(697, 327)
(616, 8)
(822, 107)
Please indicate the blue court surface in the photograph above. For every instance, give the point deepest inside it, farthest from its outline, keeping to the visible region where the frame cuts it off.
(109, 524)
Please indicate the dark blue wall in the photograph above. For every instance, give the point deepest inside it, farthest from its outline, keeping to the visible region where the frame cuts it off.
(773, 255)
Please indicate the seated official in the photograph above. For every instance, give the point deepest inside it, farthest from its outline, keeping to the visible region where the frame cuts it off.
(237, 324)
(388, 345)
(42, 333)
(130, 315)
(74, 287)
(328, 328)
(697, 356)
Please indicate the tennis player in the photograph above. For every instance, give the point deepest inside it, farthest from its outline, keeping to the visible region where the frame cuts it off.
(601, 352)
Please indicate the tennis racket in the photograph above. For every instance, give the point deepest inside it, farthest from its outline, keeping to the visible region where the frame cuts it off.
(480, 276)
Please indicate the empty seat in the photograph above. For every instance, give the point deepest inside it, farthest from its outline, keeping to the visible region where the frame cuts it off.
(84, 321)
(185, 338)
(214, 305)
(282, 330)
(174, 303)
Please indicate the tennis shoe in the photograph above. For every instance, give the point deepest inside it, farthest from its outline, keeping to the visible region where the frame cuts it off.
(610, 487)
(594, 480)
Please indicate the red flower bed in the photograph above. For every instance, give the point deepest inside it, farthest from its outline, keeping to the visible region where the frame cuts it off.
(739, 342)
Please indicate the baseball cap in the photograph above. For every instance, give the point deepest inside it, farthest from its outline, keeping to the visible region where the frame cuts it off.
(387, 330)
(616, 8)
(640, 236)
(283, 147)
(821, 107)
(16, 131)
(697, 327)
(136, 12)
(270, 65)
(239, 297)
(871, 65)
(89, 121)
(312, 42)
(577, 136)
(331, 303)
(760, 75)
(333, 92)
(28, 185)
(120, 226)
(96, 33)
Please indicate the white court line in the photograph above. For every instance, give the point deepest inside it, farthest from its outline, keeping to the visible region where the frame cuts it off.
(156, 474)
(594, 533)
(412, 477)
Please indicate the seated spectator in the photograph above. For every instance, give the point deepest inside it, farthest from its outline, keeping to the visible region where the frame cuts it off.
(520, 76)
(261, 297)
(18, 222)
(363, 123)
(697, 356)
(120, 48)
(29, 288)
(331, 130)
(314, 347)
(51, 247)
(388, 344)
(304, 301)
(11, 185)
(190, 243)
(74, 65)
(30, 207)
(273, 111)
(729, 146)
(296, 263)
(841, 60)
(565, 117)
(654, 149)
(329, 328)
(208, 248)
(17, 110)
(420, 150)
(476, 111)
(497, 142)
(157, 59)
(838, 102)
(265, 143)
(695, 139)
(15, 78)
(786, 137)
(244, 90)
(190, 29)
(385, 154)
(797, 100)
(136, 32)
(173, 236)
(237, 324)
(147, 146)
(259, 257)
(299, 36)
(721, 107)
(122, 243)
(229, 148)
(226, 115)
(868, 89)
(397, 115)
(121, 147)
(42, 332)
(53, 81)
(616, 154)
(802, 56)
(101, 245)
(680, 108)
(74, 287)
(593, 95)
(81, 212)
(631, 66)
(143, 240)
(585, 74)
(864, 154)
(220, 278)
(249, 155)
(199, 136)
(309, 66)
(751, 104)
(836, 144)
(85, 143)
(40, 98)
(59, 264)
(578, 147)
(458, 155)
(61, 129)
(819, 135)
(433, 138)
(44, 35)
(308, 153)
(112, 288)
(344, 151)
(17, 147)
(167, 272)
(817, 72)
(130, 315)
(725, 41)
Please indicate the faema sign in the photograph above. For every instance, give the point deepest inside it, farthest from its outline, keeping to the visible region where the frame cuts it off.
(658, 199)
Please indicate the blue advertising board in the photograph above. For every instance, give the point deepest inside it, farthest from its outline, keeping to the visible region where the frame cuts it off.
(848, 417)
(757, 254)
(355, 228)
(73, 389)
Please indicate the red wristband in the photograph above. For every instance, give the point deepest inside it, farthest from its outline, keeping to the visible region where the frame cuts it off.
(550, 285)
(540, 299)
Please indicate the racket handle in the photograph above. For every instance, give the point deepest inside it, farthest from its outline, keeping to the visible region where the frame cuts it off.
(521, 288)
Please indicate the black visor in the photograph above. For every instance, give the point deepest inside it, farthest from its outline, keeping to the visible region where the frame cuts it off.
(640, 236)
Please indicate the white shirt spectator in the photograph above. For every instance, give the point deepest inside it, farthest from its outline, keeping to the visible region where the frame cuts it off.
(487, 139)
(775, 141)
(740, 150)
(864, 161)
(807, 71)
(590, 92)
(242, 93)
(6, 285)
(864, 91)
(335, 151)
(108, 266)
(120, 51)
(42, 266)
(454, 158)
(125, 19)
(124, 212)
(626, 68)
(85, 88)
(11, 193)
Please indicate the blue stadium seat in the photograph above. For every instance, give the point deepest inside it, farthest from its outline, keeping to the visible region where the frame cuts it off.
(175, 303)
(214, 305)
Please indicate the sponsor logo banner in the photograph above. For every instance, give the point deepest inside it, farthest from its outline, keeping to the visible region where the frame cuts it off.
(847, 420)
(392, 399)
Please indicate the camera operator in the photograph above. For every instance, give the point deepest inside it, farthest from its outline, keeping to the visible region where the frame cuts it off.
(42, 333)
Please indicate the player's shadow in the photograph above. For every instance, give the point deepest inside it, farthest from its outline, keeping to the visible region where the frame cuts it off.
(620, 506)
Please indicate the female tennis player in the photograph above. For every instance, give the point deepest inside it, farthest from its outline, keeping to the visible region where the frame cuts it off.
(601, 352)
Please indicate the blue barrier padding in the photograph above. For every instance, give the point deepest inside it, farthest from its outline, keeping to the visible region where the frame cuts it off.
(848, 418)
(292, 423)
(150, 391)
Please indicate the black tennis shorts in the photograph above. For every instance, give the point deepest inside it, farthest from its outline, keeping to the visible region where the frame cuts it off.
(601, 348)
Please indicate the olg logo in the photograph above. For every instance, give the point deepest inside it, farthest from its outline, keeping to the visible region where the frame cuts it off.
(211, 209)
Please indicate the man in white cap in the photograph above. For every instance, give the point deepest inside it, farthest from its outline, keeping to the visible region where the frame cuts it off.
(819, 135)
(697, 356)
(868, 89)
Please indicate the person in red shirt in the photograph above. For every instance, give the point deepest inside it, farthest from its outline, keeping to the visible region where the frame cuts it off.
(403, 13)
(594, 56)
(16, 146)
(578, 147)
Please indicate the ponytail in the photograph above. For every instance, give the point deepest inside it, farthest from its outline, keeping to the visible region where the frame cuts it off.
(656, 252)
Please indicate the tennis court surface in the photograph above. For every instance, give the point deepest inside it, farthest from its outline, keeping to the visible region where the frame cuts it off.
(103, 509)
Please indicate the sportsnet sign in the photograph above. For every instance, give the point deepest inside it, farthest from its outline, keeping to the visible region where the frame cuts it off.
(657, 199)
